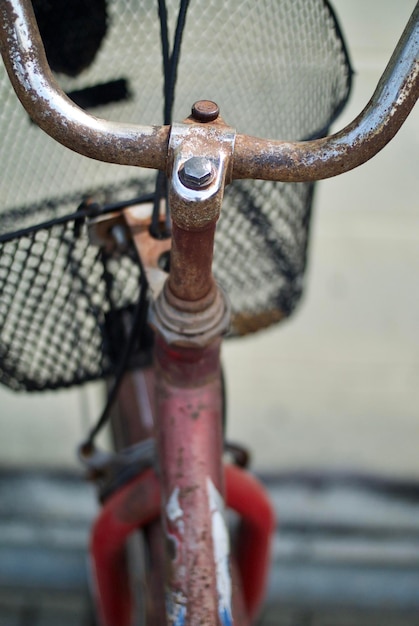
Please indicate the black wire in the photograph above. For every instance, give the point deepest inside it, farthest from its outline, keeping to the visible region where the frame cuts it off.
(160, 177)
(171, 61)
(161, 191)
(90, 211)
(139, 319)
(170, 68)
(174, 59)
(164, 35)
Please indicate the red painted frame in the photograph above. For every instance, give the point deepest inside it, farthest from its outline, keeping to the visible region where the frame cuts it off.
(139, 503)
(190, 446)
(187, 406)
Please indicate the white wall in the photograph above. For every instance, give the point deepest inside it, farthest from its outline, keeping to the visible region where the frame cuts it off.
(338, 384)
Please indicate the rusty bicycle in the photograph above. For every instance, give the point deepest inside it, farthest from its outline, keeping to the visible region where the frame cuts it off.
(124, 289)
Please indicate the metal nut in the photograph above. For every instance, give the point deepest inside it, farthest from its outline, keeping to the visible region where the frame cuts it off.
(205, 111)
(196, 173)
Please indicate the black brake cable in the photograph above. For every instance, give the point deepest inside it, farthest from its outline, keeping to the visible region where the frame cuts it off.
(139, 319)
(164, 36)
(174, 60)
(170, 69)
(160, 186)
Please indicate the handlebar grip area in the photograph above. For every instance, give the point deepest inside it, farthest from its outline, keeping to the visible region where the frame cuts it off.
(146, 146)
(48, 106)
(391, 103)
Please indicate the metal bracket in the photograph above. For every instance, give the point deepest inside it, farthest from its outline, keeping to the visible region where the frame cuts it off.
(151, 251)
(114, 231)
(195, 200)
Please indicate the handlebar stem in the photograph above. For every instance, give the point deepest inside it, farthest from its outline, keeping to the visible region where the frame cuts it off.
(191, 309)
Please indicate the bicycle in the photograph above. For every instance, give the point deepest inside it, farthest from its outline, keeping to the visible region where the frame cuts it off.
(189, 315)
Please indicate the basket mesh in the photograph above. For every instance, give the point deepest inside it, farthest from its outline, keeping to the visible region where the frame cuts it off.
(276, 68)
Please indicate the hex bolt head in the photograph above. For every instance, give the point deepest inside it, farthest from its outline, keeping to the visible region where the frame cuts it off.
(197, 173)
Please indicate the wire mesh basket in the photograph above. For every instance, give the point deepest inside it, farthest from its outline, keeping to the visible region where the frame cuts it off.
(276, 68)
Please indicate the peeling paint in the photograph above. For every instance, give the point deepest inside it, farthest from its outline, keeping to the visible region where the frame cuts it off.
(173, 509)
(175, 608)
(175, 523)
(221, 546)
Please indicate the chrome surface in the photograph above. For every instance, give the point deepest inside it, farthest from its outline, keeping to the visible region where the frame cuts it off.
(125, 144)
(27, 66)
(197, 172)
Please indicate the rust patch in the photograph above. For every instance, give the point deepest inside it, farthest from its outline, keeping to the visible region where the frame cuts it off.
(246, 323)
(186, 491)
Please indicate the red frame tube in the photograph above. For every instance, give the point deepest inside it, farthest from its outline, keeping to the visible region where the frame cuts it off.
(190, 447)
(129, 509)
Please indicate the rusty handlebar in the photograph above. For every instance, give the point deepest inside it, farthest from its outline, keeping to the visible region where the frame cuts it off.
(26, 63)
(147, 146)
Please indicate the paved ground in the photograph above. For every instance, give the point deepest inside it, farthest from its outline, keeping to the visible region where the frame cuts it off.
(337, 385)
(347, 551)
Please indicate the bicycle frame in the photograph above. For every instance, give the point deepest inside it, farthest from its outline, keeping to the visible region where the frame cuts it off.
(138, 506)
(190, 314)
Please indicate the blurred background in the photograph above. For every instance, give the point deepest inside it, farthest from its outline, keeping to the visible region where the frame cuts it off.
(337, 384)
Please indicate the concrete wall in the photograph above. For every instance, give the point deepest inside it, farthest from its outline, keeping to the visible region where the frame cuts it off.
(338, 384)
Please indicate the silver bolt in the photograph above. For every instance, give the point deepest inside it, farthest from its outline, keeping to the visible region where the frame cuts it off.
(197, 172)
(119, 234)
